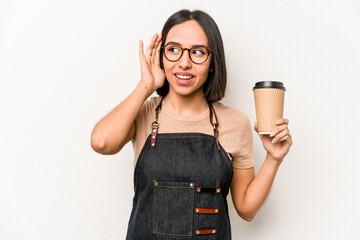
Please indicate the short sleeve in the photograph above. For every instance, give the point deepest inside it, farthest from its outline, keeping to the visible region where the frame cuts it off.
(140, 119)
(244, 157)
(143, 125)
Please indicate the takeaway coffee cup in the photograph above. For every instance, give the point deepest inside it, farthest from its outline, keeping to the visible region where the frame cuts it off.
(269, 104)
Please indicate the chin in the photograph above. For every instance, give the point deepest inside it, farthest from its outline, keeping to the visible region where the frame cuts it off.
(185, 91)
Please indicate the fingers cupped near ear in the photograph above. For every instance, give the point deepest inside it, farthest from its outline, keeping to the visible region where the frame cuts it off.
(150, 47)
(157, 46)
(141, 47)
(157, 54)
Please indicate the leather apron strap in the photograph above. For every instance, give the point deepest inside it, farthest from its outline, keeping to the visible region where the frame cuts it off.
(214, 124)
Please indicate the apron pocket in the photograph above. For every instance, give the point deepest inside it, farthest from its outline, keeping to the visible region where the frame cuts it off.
(173, 204)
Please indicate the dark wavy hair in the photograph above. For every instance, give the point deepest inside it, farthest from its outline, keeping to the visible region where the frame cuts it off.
(215, 85)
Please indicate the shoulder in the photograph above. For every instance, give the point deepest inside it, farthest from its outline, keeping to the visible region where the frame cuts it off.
(150, 105)
(235, 135)
(143, 121)
(154, 101)
(231, 116)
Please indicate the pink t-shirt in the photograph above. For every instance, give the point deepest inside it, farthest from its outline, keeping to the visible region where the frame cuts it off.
(235, 132)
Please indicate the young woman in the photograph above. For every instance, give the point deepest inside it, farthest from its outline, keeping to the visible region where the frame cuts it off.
(189, 148)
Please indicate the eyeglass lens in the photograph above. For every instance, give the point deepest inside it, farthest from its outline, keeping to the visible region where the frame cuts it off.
(198, 54)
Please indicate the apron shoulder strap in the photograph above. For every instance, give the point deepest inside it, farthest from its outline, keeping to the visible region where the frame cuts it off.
(214, 124)
(155, 125)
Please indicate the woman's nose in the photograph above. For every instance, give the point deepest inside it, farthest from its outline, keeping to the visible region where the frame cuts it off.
(185, 61)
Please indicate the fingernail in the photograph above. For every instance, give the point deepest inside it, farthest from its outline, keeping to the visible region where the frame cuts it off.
(272, 134)
(278, 121)
(274, 140)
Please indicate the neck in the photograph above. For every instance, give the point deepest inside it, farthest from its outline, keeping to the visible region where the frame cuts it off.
(194, 104)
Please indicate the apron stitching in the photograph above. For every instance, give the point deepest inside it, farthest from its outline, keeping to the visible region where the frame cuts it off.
(192, 136)
(153, 207)
(192, 217)
(192, 212)
(173, 234)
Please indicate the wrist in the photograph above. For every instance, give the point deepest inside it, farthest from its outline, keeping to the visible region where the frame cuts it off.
(145, 88)
(272, 161)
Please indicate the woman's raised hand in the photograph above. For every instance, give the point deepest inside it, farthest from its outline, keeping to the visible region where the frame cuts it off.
(278, 143)
(151, 73)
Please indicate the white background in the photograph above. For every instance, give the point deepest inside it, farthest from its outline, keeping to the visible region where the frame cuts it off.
(65, 64)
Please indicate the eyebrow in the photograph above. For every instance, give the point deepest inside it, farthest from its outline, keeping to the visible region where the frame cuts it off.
(198, 45)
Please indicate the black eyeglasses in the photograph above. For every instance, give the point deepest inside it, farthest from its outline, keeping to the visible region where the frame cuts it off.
(197, 54)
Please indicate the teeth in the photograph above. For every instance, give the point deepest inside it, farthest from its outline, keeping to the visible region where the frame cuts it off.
(183, 77)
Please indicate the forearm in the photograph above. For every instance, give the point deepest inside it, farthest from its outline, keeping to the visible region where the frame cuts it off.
(114, 130)
(259, 188)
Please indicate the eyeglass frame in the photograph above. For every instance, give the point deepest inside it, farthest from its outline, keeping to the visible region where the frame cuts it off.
(187, 49)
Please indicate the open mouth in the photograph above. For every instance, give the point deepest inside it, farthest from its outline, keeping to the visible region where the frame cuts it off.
(183, 79)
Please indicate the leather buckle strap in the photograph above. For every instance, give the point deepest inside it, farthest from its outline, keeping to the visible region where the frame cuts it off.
(208, 190)
(207, 210)
(155, 125)
(205, 231)
(154, 132)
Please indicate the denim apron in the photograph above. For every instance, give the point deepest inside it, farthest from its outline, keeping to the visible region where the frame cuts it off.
(181, 181)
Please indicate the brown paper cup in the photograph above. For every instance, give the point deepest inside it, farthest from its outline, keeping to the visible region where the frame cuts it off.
(269, 104)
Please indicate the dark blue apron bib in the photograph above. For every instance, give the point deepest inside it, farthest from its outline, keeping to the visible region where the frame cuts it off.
(181, 181)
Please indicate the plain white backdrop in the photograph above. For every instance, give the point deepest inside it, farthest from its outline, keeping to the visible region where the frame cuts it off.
(65, 64)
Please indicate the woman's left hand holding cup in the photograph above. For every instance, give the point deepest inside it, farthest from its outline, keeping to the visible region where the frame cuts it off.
(278, 143)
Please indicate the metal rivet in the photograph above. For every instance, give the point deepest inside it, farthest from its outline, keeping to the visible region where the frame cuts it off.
(153, 144)
(153, 137)
(156, 183)
(154, 130)
(197, 210)
(216, 210)
(197, 232)
(217, 190)
(191, 184)
(214, 231)
(198, 189)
